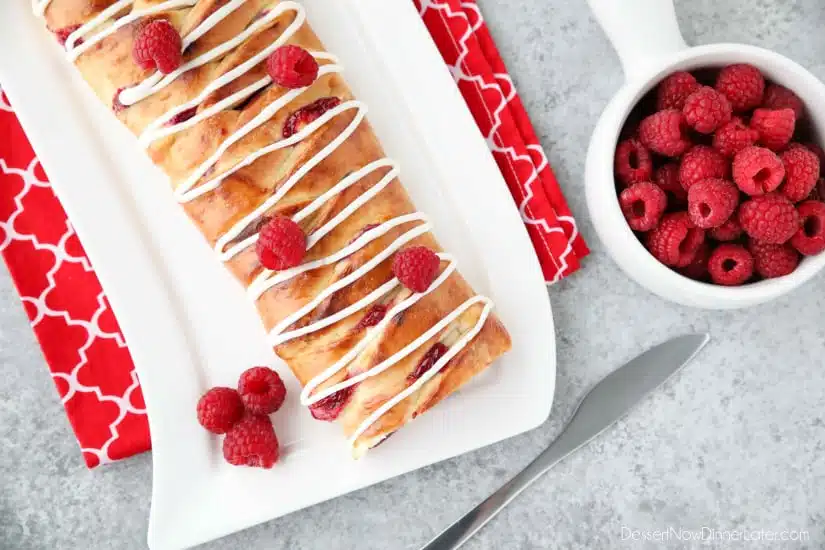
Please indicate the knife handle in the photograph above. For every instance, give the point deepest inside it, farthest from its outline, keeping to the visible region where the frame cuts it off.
(601, 407)
(459, 532)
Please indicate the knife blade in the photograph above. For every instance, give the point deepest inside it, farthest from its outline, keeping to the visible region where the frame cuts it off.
(604, 405)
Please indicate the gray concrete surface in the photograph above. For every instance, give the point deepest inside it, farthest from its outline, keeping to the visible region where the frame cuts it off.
(735, 442)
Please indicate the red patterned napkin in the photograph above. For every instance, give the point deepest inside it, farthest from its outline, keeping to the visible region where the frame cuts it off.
(86, 353)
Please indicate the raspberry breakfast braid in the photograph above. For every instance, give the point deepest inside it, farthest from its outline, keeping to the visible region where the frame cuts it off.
(243, 151)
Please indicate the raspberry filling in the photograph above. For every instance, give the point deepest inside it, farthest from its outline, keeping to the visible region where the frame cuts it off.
(433, 354)
(362, 231)
(63, 34)
(307, 114)
(328, 408)
(183, 116)
(117, 106)
(373, 316)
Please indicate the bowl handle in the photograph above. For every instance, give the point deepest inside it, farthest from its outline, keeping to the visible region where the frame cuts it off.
(641, 31)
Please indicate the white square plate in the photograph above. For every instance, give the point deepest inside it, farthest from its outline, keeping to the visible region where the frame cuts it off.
(187, 321)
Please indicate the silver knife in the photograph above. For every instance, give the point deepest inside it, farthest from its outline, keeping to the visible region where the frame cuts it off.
(603, 406)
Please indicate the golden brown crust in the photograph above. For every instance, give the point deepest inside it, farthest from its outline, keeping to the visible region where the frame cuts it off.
(108, 67)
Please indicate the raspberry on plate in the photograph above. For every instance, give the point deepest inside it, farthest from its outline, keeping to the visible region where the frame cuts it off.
(674, 90)
(219, 409)
(667, 177)
(757, 170)
(711, 202)
(700, 163)
(810, 238)
(675, 241)
(706, 110)
(770, 218)
(743, 85)
(292, 67)
(774, 260)
(308, 114)
(801, 172)
(158, 46)
(780, 97)
(642, 205)
(697, 269)
(262, 390)
(281, 244)
(252, 442)
(416, 267)
(775, 127)
(734, 136)
(728, 231)
(665, 133)
(633, 163)
(730, 265)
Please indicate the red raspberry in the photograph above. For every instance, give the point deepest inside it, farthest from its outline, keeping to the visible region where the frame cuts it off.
(810, 238)
(743, 86)
(818, 192)
(667, 177)
(730, 265)
(281, 244)
(219, 409)
(642, 205)
(328, 408)
(307, 114)
(728, 231)
(711, 202)
(674, 90)
(633, 163)
(292, 66)
(780, 97)
(770, 218)
(700, 163)
(262, 390)
(706, 110)
(158, 46)
(757, 170)
(63, 34)
(817, 150)
(252, 442)
(433, 354)
(416, 267)
(698, 268)
(774, 260)
(801, 172)
(665, 133)
(675, 241)
(734, 136)
(775, 127)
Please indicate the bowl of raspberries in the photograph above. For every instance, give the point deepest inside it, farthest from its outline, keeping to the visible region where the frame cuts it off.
(717, 192)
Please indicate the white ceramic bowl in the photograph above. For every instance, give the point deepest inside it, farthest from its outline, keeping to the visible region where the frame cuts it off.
(647, 38)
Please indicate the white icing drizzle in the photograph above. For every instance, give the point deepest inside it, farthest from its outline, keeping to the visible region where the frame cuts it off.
(436, 368)
(268, 279)
(308, 398)
(39, 6)
(327, 150)
(261, 118)
(277, 335)
(190, 189)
